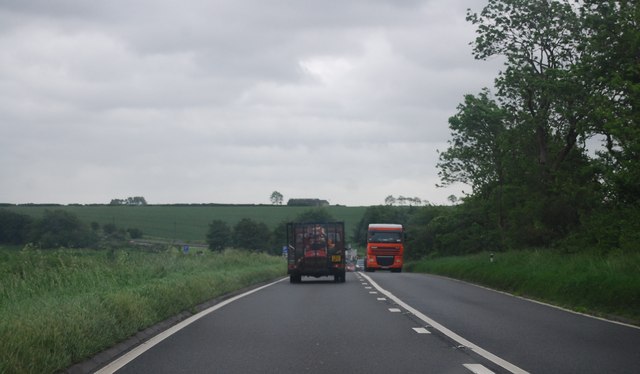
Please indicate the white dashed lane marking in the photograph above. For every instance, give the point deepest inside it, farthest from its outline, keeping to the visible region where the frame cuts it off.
(474, 368)
(445, 331)
(421, 330)
(478, 369)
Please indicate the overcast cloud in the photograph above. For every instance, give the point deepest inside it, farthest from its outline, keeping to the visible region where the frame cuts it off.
(198, 101)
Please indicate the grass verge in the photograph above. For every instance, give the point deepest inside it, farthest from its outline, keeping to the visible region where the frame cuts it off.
(602, 285)
(60, 307)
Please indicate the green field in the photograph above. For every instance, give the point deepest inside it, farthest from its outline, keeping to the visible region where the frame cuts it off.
(188, 223)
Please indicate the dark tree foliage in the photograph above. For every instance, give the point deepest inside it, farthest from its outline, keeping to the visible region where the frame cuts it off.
(611, 68)
(219, 235)
(421, 238)
(307, 202)
(477, 150)
(276, 198)
(14, 227)
(58, 228)
(380, 214)
(134, 200)
(109, 228)
(531, 154)
(279, 237)
(251, 235)
(134, 233)
(279, 234)
(315, 215)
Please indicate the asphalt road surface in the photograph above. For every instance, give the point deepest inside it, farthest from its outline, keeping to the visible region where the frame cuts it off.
(386, 323)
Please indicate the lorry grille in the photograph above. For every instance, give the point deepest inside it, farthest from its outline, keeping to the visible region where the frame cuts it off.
(384, 260)
(385, 251)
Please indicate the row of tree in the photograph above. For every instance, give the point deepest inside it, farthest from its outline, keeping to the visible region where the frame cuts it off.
(403, 200)
(554, 152)
(277, 198)
(132, 200)
(552, 155)
(57, 228)
(253, 235)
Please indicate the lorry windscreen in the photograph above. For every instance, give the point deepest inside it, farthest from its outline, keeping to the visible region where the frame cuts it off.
(385, 237)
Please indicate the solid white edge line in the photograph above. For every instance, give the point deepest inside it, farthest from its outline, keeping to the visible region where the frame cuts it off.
(452, 335)
(542, 303)
(137, 351)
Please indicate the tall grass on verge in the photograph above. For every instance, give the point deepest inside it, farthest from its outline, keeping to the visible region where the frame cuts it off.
(605, 285)
(60, 307)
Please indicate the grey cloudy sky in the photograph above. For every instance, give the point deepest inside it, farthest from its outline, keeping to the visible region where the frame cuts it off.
(198, 101)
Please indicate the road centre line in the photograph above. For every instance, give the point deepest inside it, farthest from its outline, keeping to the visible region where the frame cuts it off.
(452, 335)
(137, 351)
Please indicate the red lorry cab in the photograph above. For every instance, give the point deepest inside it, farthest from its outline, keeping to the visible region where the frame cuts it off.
(385, 247)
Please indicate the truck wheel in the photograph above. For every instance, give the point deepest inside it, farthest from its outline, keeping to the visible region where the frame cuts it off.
(292, 278)
(343, 277)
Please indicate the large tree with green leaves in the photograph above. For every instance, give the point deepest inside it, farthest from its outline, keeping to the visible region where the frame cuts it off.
(252, 235)
(539, 87)
(477, 149)
(571, 73)
(611, 68)
(219, 235)
(276, 198)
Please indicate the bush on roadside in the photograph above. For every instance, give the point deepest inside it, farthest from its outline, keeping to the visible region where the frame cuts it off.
(58, 229)
(14, 227)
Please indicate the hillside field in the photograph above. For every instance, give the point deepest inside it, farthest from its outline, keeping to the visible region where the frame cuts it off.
(188, 223)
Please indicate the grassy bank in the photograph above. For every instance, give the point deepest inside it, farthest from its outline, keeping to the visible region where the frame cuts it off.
(605, 285)
(59, 307)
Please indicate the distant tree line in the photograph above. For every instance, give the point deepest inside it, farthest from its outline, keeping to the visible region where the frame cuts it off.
(135, 200)
(402, 201)
(307, 202)
(249, 234)
(60, 229)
